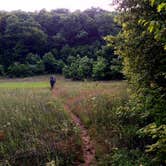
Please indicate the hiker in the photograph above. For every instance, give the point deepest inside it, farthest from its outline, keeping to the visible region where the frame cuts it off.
(52, 82)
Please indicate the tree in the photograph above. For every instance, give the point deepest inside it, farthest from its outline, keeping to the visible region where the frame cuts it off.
(1, 70)
(85, 67)
(32, 58)
(99, 68)
(51, 64)
(142, 47)
(19, 70)
(26, 37)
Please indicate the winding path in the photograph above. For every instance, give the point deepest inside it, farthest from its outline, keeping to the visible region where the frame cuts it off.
(87, 145)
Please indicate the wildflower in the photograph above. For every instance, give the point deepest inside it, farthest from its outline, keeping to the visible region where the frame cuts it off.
(8, 124)
(29, 119)
(93, 98)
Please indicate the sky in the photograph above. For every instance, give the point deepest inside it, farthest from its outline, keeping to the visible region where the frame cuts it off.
(35, 5)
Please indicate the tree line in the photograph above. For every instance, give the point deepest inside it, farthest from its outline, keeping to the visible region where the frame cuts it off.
(59, 41)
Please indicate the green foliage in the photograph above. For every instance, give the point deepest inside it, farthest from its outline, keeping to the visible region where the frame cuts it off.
(39, 68)
(79, 68)
(113, 62)
(158, 147)
(28, 38)
(104, 109)
(125, 157)
(142, 46)
(19, 70)
(32, 59)
(51, 64)
(1, 70)
(85, 67)
(116, 68)
(155, 23)
(161, 6)
(66, 72)
(99, 69)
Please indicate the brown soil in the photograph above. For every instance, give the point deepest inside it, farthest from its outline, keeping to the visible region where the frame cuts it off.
(87, 144)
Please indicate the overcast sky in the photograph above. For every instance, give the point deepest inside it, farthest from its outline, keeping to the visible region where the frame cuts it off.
(32, 5)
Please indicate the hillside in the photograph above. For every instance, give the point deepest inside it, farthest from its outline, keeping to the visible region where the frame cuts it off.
(58, 41)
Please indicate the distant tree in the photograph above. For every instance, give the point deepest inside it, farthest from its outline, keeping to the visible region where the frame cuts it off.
(1, 70)
(19, 70)
(32, 58)
(51, 64)
(116, 68)
(85, 67)
(25, 35)
(78, 68)
(38, 68)
(99, 68)
(113, 68)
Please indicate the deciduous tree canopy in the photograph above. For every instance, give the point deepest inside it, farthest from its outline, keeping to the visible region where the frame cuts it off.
(142, 45)
(52, 38)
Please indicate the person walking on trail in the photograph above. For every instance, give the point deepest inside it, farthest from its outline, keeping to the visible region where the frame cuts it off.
(52, 82)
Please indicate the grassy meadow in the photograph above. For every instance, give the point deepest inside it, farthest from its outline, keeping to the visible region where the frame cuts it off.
(36, 130)
(34, 126)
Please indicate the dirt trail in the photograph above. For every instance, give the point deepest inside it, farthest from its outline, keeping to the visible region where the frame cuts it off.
(87, 145)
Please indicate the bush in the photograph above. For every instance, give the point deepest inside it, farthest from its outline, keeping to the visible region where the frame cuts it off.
(99, 68)
(85, 67)
(39, 67)
(19, 70)
(51, 64)
(66, 71)
(78, 68)
(32, 58)
(116, 68)
(128, 157)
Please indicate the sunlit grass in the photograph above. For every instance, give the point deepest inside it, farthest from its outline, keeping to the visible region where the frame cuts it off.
(24, 85)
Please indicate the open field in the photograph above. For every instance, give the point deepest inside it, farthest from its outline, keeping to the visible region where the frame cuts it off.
(24, 85)
(35, 128)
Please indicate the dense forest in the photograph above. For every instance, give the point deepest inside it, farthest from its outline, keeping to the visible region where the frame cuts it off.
(58, 41)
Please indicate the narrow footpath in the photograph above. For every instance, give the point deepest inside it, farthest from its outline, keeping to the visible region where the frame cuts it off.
(87, 145)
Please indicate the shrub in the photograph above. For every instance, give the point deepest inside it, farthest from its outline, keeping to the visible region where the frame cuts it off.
(39, 67)
(85, 67)
(78, 68)
(32, 58)
(116, 68)
(51, 64)
(66, 71)
(19, 70)
(99, 68)
(128, 157)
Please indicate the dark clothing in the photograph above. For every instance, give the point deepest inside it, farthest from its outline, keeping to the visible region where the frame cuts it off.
(52, 81)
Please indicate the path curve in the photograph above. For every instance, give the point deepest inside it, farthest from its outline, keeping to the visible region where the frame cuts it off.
(87, 144)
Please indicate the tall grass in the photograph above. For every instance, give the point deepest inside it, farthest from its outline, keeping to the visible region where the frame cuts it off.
(35, 129)
(110, 124)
